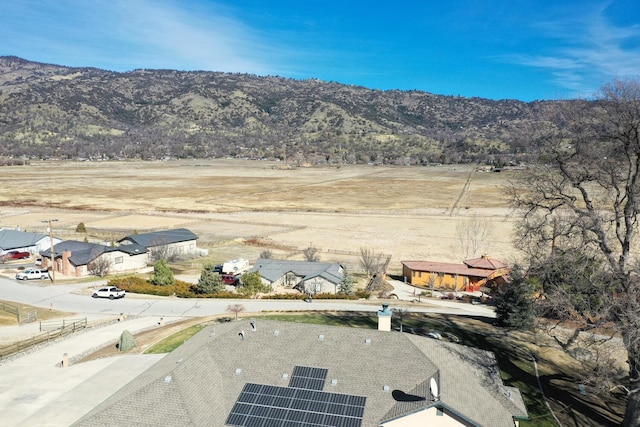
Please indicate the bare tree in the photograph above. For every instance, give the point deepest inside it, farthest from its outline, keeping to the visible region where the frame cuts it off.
(473, 236)
(266, 254)
(99, 266)
(165, 252)
(585, 198)
(401, 313)
(311, 253)
(236, 309)
(370, 261)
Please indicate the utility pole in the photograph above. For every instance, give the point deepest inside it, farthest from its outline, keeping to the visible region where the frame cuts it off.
(53, 253)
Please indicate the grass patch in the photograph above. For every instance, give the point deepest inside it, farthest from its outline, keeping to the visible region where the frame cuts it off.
(174, 341)
(9, 319)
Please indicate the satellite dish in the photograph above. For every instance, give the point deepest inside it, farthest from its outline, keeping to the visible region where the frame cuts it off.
(433, 388)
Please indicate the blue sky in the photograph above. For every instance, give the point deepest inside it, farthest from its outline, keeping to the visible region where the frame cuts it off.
(518, 49)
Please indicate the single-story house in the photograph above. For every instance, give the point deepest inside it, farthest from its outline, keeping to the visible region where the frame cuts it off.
(77, 259)
(262, 372)
(469, 276)
(11, 240)
(306, 276)
(179, 241)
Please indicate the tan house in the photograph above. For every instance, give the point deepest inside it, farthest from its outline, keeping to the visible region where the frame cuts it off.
(306, 276)
(469, 276)
(178, 241)
(77, 259)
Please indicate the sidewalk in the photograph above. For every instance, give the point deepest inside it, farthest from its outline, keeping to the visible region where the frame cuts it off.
(37, 390)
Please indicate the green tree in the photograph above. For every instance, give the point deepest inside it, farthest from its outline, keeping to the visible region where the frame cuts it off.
(162, 274)
(345, 286)
(515, 304)
(251, 284)
(209, 282)
(81, 228)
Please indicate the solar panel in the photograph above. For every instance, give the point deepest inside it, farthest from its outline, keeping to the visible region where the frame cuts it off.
(273, 406)
(308, 377)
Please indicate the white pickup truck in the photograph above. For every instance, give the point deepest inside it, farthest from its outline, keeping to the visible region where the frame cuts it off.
(110, 292)
(33, 273)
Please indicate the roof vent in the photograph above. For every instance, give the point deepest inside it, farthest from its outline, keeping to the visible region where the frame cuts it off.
(334, 382)
(367, 341)
(385, 388)
(168, 379)
(285, 376)
(238, 371)
(320, 337)
(276, 332)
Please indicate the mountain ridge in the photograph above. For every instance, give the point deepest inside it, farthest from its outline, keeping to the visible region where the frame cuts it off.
(49, 110)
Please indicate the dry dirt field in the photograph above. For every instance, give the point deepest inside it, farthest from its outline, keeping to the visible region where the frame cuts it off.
(409, 213)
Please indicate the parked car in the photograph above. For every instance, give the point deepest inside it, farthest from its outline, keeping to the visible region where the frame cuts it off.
(38, 261)
(16, 255)
(230, 279)
(32, 273)
(108, 292)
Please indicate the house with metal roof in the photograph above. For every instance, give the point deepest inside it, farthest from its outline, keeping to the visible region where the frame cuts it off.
(306, 276)
(77, 259)
(469, 276)
(24, 241)
(178, 241)
(257, 372)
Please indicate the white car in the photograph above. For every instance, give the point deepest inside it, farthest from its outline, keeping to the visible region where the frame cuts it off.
(32, 273)
(109, 292)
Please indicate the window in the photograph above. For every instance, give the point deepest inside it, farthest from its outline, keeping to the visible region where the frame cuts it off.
(118, 260)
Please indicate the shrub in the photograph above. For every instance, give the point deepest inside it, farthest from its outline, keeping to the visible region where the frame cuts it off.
(127, 341)
(285, 296)
(162, 274)
(362, 294)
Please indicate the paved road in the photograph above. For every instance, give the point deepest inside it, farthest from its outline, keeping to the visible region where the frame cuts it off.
(74, 298)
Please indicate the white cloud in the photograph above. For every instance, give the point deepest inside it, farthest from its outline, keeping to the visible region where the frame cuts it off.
(136, 34)
(585, 52)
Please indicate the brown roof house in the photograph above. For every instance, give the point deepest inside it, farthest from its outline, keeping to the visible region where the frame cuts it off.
(469, 276)
(258, 372)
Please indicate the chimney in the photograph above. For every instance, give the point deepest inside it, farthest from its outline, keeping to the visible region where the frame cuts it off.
(65, 268)
(384, 318)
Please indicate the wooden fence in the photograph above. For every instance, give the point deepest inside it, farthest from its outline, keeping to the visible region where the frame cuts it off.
(24, 317)
(51, 330)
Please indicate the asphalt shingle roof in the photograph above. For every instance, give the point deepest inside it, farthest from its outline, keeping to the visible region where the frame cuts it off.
(12, 239)
(198, 383)
(274, 269)
(82, 253)
(158, 238)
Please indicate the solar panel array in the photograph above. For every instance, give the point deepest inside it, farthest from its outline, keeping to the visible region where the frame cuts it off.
(308, 378)
(261, 405)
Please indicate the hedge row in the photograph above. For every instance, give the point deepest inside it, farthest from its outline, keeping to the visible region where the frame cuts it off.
(139, 285)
